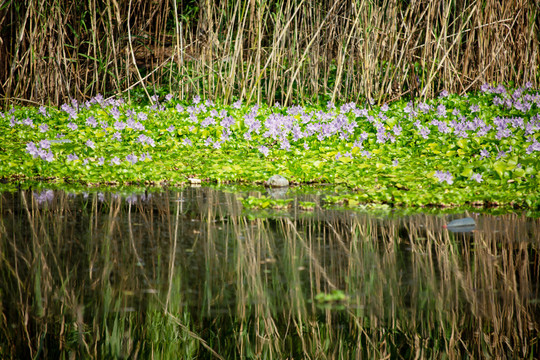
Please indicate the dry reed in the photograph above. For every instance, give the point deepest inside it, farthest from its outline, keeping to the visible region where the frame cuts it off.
(285, 50)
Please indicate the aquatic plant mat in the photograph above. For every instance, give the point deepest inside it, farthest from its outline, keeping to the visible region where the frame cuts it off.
(479, 149)
(192, 273)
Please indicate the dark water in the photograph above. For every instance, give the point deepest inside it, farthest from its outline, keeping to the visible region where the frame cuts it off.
(191, 274)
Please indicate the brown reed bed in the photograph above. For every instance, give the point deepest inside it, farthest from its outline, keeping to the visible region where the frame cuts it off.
(289, 51)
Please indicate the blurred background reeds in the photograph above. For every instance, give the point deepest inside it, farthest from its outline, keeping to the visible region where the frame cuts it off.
(287, 51)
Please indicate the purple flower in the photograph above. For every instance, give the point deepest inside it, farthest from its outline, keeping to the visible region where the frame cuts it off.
(187, 142)
(366, 154)
(477, 177)
(28, 122)
(443, 93)
(179, 108)
(120, 125)
(535, 146)
(168, 97)
(143, 139)
(501, 154)
(91, 121)
(131, 158)
(90, 144)
(72, 157)
(43, 110)
(264, 150)
(43, 128)
(474, 108)
(101, 160)
(423, 131)
(237, 104)
(47, 156)
(484, 154)
(72, 126)
(441, 110)
(115, 161)
(145, 156)
(385, 107)
(395, 162)
(32, 149)
(196, 99)
(444, 177)
(142, 116)
(45, 144)
(171, 128)
(117, 136)
(208, 121)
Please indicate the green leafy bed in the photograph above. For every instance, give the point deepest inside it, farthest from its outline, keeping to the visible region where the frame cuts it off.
(477, 149)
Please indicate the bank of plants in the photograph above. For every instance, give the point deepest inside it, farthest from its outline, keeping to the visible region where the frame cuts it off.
(479, 149)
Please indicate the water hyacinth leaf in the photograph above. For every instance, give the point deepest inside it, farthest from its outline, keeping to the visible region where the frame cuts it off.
(467, 172)
(462, 143)
(501, 166)
(345, 159)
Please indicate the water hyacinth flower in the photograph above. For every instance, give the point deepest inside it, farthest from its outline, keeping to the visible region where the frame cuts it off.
(168, 97)
(484, 154)
(90, 144)
(187, 142)
(366, 154)
(72, 157)
(142, 116)
(101, 160)
(45, 144)
(443, 94)
(237, 104)
(43, 110)
(196, 99)
(444, 177)
(43, 128)
(395, 162)
(179, 108)
(132, 159)
(115, 161)
(501, 154)
(143, 139)
(477, 177)
(171, 128)
(91, 121)
(424, 131)
(117, 136)
(28, 122)
(32, 149)
(119, 125)
(72, 126)
(535, 146)
(145, 156)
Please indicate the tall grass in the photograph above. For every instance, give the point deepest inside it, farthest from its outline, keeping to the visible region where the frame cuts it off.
(285, 50)
(188, 275)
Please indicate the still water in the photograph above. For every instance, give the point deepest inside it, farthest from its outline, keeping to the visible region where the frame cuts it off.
(192, 274)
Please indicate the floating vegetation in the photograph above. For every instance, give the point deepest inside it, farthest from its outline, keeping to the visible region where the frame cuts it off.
(480, 149)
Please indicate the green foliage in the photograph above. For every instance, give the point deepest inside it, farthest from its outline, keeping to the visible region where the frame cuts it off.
(477, 149)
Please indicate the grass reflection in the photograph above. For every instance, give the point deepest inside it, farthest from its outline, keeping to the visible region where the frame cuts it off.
(189, 274)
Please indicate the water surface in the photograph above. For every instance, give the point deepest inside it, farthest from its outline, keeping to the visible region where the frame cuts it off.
(191, 274)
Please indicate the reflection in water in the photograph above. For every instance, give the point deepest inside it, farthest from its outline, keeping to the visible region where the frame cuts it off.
(188, 274)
